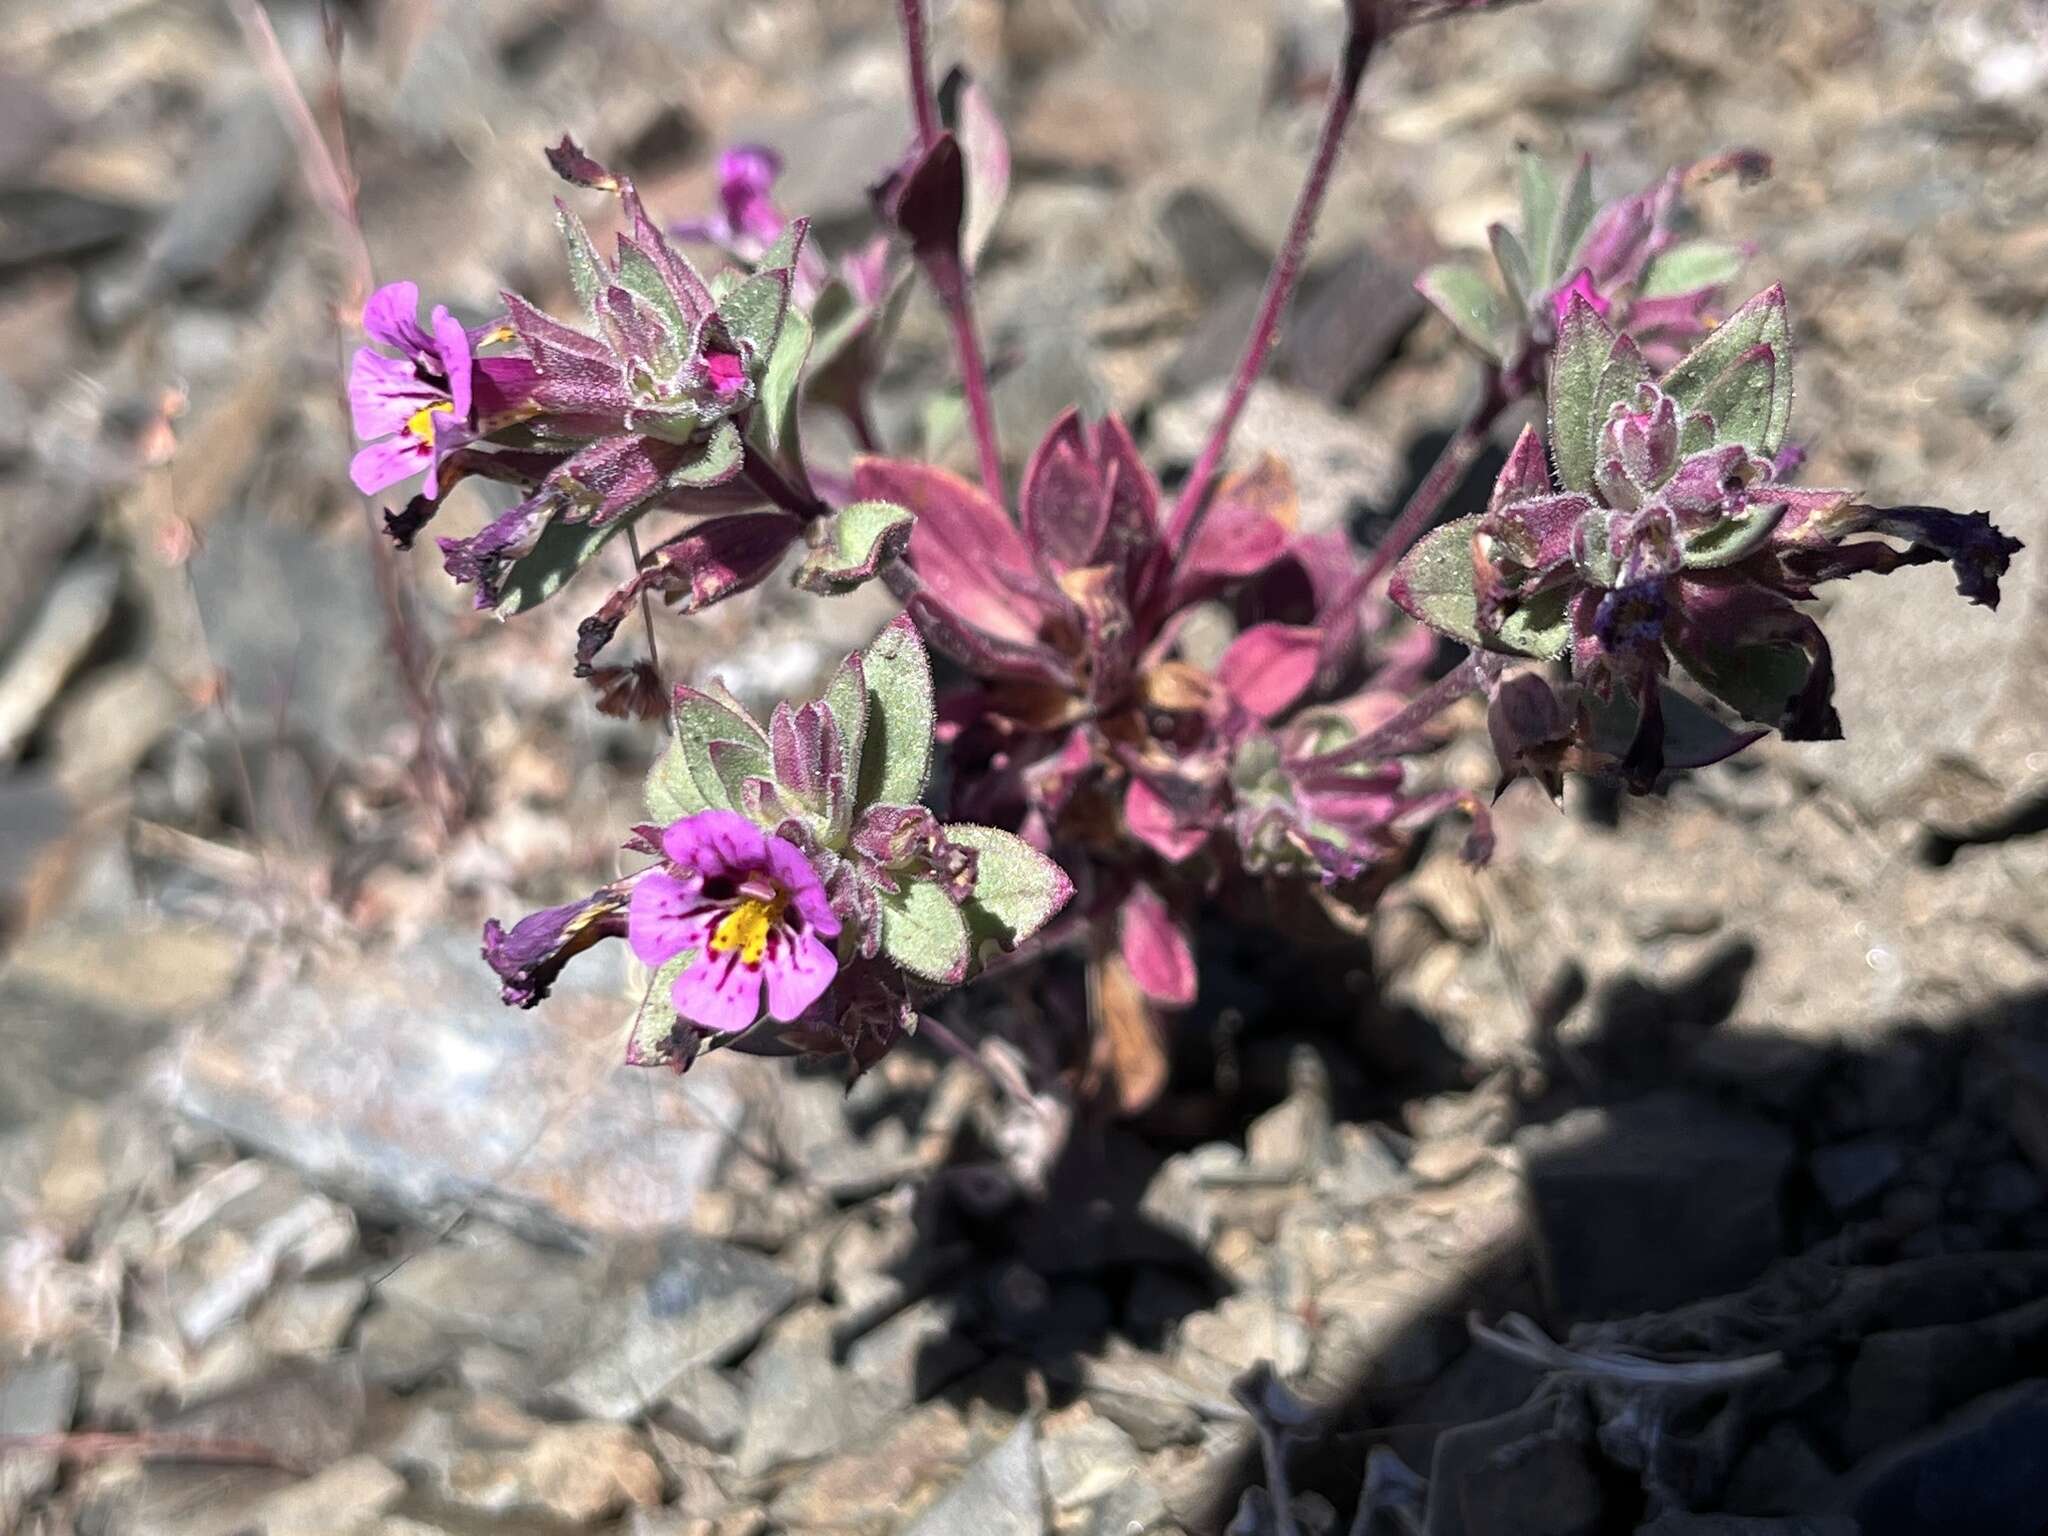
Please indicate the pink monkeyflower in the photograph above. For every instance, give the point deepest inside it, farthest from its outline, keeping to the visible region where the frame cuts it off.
(751, 909)
(399, 403)
(414, 408)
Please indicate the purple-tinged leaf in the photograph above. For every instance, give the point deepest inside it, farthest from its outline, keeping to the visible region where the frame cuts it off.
(1017, 889)
(928, 203)
(1526, 472)
(851, 547)
(1252, 516)
(1270, 666)
(965, 550)
(1156, 948)
(1577, 361)
(1151, 818)
(973, 117)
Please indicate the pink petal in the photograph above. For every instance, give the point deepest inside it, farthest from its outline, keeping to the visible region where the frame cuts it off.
(1162, 961)
(798, 968)
(667, 916)
(719, 993)
(793, 872)
(452, 342)
(384, 393)
(1270, 666)
(717, 843)
(392, 316)
(384, 464)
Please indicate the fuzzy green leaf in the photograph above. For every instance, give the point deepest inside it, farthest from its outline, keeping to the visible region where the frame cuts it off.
(753, 311)
(1472, 305)
(782, 255)
(779, 381)
(1539, 219)
(689, 773)
(562, 550)
(1689, 268)
(1514, 265)
(857, 542)
(586, 272)
(923, 932)
(1622, 374)
(639, 276)
(1540, 627)
(651, 1042)
(716, 462)
(1734, 539)
(846, 696)
(1742, 400)
(1574, 217)
(1762, 322)
(898, 753)
(1577, 364)
(1434, 581)
(671, 791)
(1017, 889)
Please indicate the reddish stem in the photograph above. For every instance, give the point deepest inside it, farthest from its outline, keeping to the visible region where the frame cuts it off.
(948, 273)
(1193, 504)
(921, 99)
(771, 483)
(949, 277)
(1420, 514)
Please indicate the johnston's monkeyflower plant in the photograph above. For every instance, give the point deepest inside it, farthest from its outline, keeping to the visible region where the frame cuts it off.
(1160, 701)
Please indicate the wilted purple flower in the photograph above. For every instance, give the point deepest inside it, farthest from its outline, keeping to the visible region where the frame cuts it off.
(750, 912)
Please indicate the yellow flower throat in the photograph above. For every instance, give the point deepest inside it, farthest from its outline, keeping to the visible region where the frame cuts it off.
(745, 928)
(421, 423)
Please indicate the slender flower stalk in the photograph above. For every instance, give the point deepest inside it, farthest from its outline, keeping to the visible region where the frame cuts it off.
(770, 482)
(946, 270)
(921, 98)
(1445, 476)
(1362, 34)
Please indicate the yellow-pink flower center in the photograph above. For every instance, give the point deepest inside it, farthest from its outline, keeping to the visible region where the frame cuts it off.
(745, 928)
(421, 422)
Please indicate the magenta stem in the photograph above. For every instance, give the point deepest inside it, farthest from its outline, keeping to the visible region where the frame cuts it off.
(948, 273)
(949, 277)
(770, 482)
(1420, 514)
(1193, 504)
(921, 99)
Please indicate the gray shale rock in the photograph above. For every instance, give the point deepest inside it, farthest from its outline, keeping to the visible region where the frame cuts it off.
(403, 1083)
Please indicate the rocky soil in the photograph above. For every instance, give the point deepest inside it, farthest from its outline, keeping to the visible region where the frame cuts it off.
(1682, 1173)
